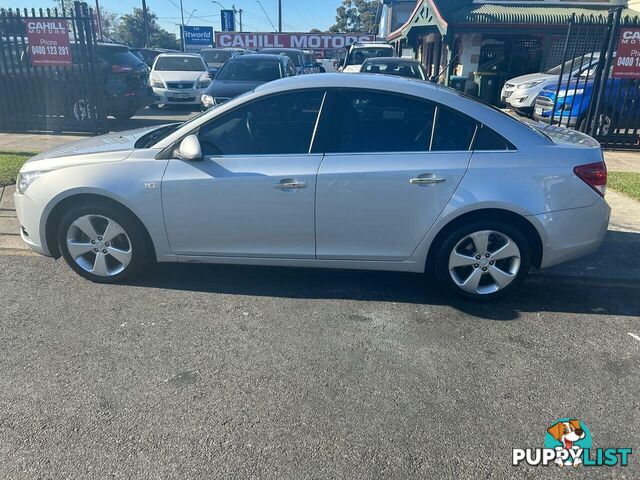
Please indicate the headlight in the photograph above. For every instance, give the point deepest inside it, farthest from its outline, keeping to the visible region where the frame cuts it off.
(570, 93)
(203, 83)
(26, 179)
(530, 84)
(157, 84)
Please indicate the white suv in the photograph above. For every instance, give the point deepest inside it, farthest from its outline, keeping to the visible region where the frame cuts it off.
(178, 79)
(520, 93)
(359, 52)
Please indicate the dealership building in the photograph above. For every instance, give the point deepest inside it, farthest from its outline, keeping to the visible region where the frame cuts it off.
(499, 39)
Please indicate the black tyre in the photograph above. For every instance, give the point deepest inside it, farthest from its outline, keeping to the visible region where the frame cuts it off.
(483, 260)
(103, 243)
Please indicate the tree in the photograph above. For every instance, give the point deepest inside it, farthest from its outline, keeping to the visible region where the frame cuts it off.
(356, 16)
(315, 30)
(131, 31)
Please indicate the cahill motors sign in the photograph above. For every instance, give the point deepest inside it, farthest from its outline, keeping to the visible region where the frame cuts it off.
(312, 41)
(48, 42)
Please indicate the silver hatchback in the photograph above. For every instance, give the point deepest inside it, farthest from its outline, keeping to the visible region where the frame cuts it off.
(336, 171)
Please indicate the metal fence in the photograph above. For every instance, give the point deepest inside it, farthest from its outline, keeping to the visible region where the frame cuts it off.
(37, 96)
(594, 94)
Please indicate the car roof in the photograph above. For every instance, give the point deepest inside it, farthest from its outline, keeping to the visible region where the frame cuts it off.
(178, 54)
(371, 45)
(275, 49)
(258, 56)
(392, 60)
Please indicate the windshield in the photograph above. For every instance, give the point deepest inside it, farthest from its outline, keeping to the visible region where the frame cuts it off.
(359, 55)
(179, 64)
(250, 70)
(216, 56)
(154, 136)
(409, 70)
(578, 64)
(294, 56)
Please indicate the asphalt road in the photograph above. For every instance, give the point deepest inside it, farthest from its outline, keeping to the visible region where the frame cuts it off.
(240, 372)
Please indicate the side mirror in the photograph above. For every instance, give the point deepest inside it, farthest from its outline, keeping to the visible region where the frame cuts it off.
(340, 63)
(190, 149)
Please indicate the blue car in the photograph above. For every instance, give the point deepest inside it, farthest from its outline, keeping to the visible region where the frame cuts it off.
(619, 108)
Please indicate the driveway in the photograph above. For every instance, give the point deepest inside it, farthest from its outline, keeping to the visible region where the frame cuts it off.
(202, 371)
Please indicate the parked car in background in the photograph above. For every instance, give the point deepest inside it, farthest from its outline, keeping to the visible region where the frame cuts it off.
(216, 57)
(179, 79)
(296, 56)
(620, 108)
(520, 93)
(400, 67)
(123, 81)
(359, 52)
(148, 55)
(243, 73)
(311, 64)
(126, 80)
(338, 171)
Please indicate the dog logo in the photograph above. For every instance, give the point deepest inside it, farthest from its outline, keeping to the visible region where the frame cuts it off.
(568, 442)
(569, 435)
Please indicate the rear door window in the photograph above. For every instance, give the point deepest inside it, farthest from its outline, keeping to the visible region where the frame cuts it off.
(454, 131)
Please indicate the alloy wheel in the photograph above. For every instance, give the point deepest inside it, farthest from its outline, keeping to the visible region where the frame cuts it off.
(99, 245)
(484, 262)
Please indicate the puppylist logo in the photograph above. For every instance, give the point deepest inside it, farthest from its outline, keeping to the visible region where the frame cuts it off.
(568, 443)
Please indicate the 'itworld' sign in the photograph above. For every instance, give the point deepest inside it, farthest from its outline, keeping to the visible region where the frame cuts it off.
(197, 38)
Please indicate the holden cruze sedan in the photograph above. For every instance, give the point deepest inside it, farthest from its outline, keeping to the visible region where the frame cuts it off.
(337, 171)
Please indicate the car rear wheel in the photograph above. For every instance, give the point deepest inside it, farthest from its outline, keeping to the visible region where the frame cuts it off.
(102, 243)
(483, 260)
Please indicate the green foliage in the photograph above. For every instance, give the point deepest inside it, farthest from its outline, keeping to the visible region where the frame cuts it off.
(131, 31)
(356, 16)
(627, 183)
(10, 163)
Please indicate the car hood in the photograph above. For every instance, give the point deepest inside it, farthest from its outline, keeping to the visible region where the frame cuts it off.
(112, 147)
(177, 76)
(532, 77)
(230, 89)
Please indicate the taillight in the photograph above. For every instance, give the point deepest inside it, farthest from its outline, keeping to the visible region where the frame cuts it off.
(121, 68)
(594, 175)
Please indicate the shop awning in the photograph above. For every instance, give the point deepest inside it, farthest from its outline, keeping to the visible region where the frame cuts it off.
(445, 14)
(489, 13)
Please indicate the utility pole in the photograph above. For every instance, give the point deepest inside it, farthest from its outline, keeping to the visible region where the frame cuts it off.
(99, 20)
(240, 14)
(182, 26)
(145, 19)
(280, 16)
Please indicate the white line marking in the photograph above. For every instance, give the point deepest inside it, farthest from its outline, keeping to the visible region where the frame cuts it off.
(635, 336)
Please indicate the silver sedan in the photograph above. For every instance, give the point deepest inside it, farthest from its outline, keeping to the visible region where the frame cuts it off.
(336, 171)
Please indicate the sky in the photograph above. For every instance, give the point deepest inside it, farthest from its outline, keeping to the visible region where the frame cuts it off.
(297, 15)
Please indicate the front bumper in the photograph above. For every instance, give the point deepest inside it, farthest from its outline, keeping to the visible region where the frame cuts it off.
(573, 233)
(165, 96)
(29, 214)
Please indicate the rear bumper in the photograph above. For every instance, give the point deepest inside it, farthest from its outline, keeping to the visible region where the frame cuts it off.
(129, 101)
(573, 233)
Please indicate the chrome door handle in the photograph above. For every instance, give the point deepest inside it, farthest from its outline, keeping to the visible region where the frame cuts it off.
(290, 184)
(426, 179)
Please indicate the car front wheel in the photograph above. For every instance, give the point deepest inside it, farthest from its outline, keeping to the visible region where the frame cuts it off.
(102, 243)
(483, 260)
